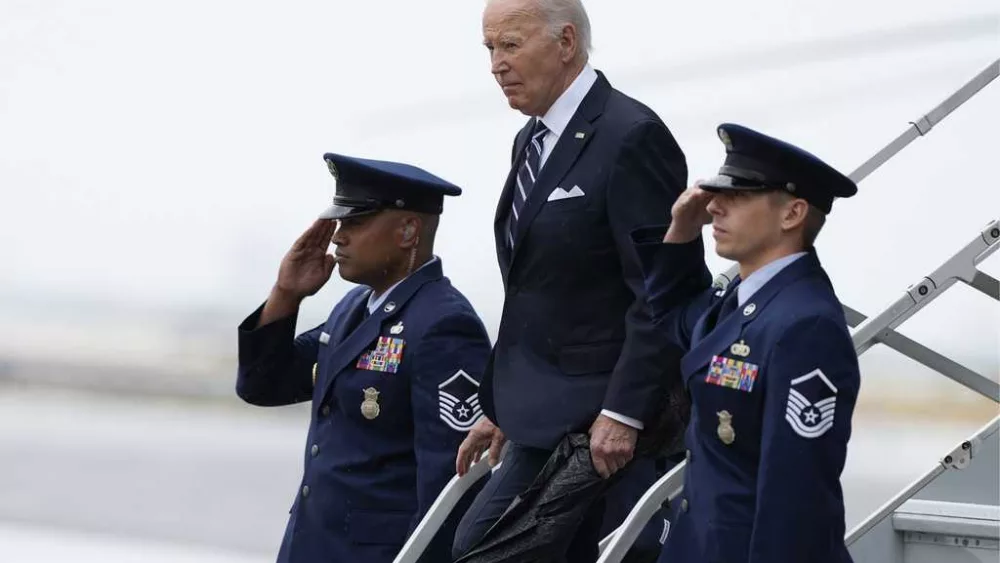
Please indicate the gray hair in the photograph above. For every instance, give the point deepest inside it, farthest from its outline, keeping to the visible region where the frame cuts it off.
(558, 13)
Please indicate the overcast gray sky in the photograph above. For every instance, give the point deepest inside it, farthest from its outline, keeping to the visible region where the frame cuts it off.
(166, 154)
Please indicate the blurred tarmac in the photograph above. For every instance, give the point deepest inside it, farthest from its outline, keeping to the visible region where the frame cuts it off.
(216, 478)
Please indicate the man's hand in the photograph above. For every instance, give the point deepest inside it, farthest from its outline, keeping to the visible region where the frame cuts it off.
(483, 435)
(611, 445)
(689, 215)
(303, 271)
(308, 264)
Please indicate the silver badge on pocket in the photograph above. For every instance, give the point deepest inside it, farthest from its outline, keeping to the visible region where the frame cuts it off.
(370, 408)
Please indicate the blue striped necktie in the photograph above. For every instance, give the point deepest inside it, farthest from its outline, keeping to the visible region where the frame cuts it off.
(526, 175)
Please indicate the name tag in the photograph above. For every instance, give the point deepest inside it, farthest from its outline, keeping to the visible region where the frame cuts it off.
(734, 374)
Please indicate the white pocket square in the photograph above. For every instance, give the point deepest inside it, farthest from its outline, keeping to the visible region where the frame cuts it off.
(561, 193)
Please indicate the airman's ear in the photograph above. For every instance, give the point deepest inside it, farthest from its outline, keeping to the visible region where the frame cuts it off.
(794, 214)
(410, 234)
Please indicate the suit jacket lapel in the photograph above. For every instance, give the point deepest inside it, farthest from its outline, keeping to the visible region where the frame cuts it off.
(348, 349)
(728, 330)
(564, 154)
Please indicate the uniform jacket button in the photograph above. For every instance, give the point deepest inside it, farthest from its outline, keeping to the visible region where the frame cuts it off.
(305, 491)
(684, 505)
(314, 450)
(326, 410)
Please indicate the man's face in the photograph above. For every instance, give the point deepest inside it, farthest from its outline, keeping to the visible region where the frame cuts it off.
(367, 246)
(745, 224)
(526, 60)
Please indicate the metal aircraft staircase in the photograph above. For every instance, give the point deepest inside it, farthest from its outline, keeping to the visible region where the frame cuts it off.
(951, 514)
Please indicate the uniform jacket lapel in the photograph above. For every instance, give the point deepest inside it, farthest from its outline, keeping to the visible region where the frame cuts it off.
(352, 345)
(339, 330)
(728, 330)
(701, 326)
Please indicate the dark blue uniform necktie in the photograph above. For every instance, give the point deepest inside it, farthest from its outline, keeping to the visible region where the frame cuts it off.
(729, 304)
(730, 300)
(357, 317)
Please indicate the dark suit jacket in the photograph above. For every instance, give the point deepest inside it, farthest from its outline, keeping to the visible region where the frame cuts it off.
(575, 335)
(369, 476)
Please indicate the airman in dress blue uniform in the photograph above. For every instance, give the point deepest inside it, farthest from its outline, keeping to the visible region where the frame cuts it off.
(393, 374)
(769, 362)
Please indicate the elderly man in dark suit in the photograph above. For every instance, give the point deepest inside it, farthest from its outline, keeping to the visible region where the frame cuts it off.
(576, 350)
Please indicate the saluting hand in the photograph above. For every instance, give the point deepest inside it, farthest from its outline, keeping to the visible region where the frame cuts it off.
(484, 434)
(689, 214)
(612, 445)
(304, 269)
(308, 264)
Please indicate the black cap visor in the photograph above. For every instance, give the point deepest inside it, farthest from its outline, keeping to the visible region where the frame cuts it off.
(344, 207)
(724, 183)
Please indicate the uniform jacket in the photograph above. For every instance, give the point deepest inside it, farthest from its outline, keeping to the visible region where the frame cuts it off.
(392, 400)
(773, 387)
(575, 336)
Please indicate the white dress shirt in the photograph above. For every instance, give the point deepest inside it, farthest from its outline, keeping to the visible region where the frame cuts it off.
(558, 116)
